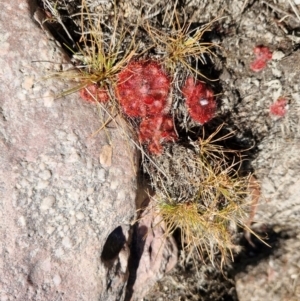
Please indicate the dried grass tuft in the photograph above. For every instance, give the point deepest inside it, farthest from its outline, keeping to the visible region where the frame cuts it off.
(101, 54)
(203, 196)
(181, 47)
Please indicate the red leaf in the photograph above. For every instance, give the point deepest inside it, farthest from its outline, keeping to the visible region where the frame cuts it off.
(278, 108)
(263, 55)
(142, 89)
(94, 93)
(156, 130)
(199, 100)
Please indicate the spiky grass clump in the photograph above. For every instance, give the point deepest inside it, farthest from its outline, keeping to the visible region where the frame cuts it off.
(101, 54)
(205, 199)
(182, 48)
(207, 231)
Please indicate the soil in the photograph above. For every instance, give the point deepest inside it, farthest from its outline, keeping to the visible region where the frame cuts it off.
(244, 98)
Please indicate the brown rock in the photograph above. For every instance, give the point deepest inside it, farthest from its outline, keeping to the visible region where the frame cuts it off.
(153, 254)
(58, 203)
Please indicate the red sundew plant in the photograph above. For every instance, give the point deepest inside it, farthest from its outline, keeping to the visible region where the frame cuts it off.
(94, 93)
(156, 130)
(143, 89)
(279, 108)
(263, 55)
(199, 100)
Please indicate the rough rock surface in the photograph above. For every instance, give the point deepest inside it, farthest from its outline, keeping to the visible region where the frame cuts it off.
(62, 189)
(153, 254)
(246, 96)
(275, 278)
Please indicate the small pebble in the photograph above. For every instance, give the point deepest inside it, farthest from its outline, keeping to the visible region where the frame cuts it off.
(56, 280)
(47, 202)
(106, 156)
(79, 215)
